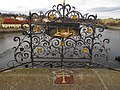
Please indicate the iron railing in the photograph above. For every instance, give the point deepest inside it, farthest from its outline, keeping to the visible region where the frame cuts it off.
(61, 37)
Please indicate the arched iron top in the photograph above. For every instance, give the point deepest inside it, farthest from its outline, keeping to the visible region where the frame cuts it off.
(63, 13)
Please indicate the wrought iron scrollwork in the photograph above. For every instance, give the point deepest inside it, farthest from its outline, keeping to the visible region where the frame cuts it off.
(22, 52)
(80, 48)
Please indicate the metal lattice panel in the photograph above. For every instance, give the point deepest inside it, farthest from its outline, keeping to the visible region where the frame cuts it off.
(61, 37)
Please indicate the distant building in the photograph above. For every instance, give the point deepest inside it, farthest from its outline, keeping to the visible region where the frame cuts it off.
(20, 18)
(13, 23)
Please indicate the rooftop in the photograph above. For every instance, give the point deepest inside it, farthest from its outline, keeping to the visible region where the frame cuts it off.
(13, 21)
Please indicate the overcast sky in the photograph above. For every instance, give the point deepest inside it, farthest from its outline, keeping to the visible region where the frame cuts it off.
(103, 8)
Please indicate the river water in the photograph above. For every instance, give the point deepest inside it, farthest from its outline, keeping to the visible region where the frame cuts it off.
(7, 43)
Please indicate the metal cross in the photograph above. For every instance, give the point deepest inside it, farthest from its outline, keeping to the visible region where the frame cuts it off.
(63, 75)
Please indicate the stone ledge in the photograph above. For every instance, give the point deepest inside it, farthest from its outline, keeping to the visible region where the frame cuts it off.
(42, 79)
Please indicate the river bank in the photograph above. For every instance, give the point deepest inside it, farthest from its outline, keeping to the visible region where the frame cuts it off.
(113, 27)
(10, 30)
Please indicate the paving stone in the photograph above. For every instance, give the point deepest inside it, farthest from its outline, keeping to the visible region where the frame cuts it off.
(43, 79)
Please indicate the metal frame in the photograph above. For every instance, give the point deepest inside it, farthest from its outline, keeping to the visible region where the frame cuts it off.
(41, 47)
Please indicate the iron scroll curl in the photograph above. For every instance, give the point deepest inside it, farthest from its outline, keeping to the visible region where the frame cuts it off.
(81, 48)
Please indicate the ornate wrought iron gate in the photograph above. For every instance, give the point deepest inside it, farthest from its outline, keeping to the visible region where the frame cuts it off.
(61, 37)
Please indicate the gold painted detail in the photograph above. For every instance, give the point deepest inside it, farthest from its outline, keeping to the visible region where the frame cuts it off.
(39, 50)
(74, 17)
(89, 30)
(85, 50)
(52, 16)
(62, 43)
(63, 75)
(63, 33)
(36, 29)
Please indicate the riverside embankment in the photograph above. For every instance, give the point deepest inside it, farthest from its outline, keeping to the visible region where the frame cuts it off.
(10, 30)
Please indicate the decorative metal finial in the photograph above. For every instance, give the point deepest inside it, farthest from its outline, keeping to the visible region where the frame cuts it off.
(63, 2)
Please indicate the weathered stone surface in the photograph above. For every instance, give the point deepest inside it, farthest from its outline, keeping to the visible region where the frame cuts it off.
(42, 79)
